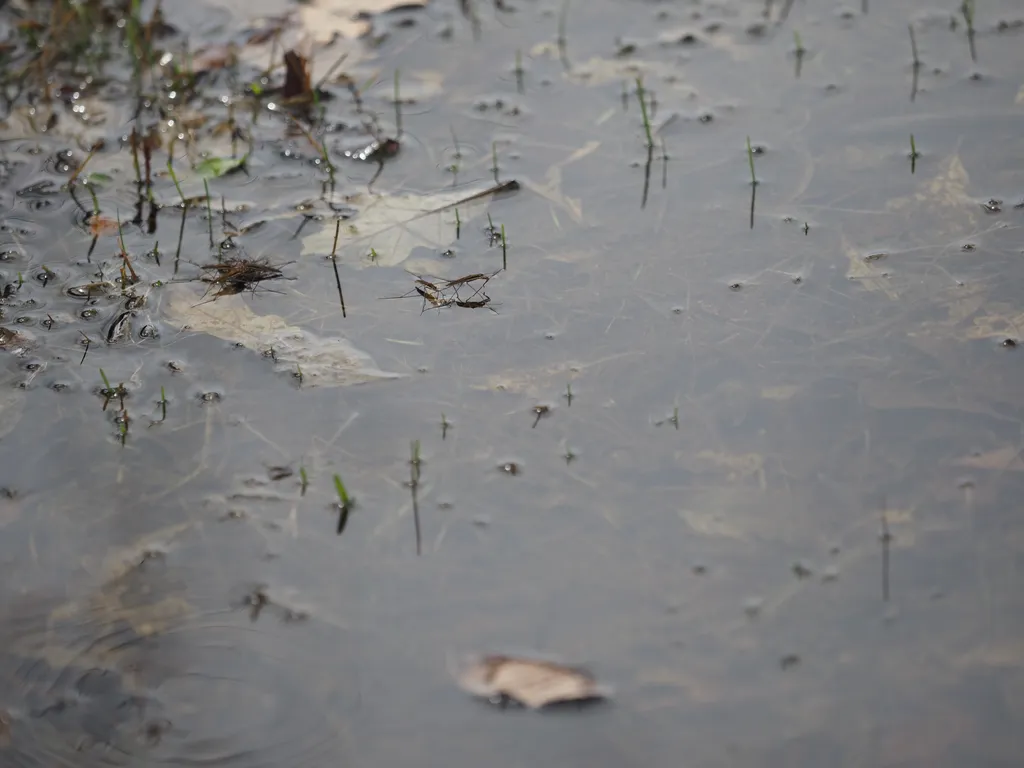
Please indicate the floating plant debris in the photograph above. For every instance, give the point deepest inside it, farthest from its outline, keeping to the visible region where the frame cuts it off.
(534, 683)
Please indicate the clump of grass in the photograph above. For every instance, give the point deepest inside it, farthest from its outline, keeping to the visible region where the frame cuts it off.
(163, 404)
(568, 394)
(640, 95)
(304, 478)
(494, 160)
(458, 224)
(913, 154)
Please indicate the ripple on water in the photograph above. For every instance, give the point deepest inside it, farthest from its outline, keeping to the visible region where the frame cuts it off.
(134, 675)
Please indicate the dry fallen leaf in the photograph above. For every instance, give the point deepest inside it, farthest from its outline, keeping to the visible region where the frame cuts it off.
(1005, 459)
(392, 226)
(297, 82)
(535, 683)
(349, 18)
(324, 361)
(100, 226)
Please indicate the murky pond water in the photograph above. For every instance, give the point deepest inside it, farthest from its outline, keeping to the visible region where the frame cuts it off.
(729, 411)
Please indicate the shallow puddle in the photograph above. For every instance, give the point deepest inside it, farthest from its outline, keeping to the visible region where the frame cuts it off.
(720, 400)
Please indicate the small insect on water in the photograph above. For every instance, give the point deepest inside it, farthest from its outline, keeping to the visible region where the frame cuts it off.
(534, 683)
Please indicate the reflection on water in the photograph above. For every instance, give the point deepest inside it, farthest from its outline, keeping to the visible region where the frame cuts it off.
(758, 467)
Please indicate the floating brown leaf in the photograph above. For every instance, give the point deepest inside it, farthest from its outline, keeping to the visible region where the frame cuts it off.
(325, 361)
(534, 683)
(297, 83)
